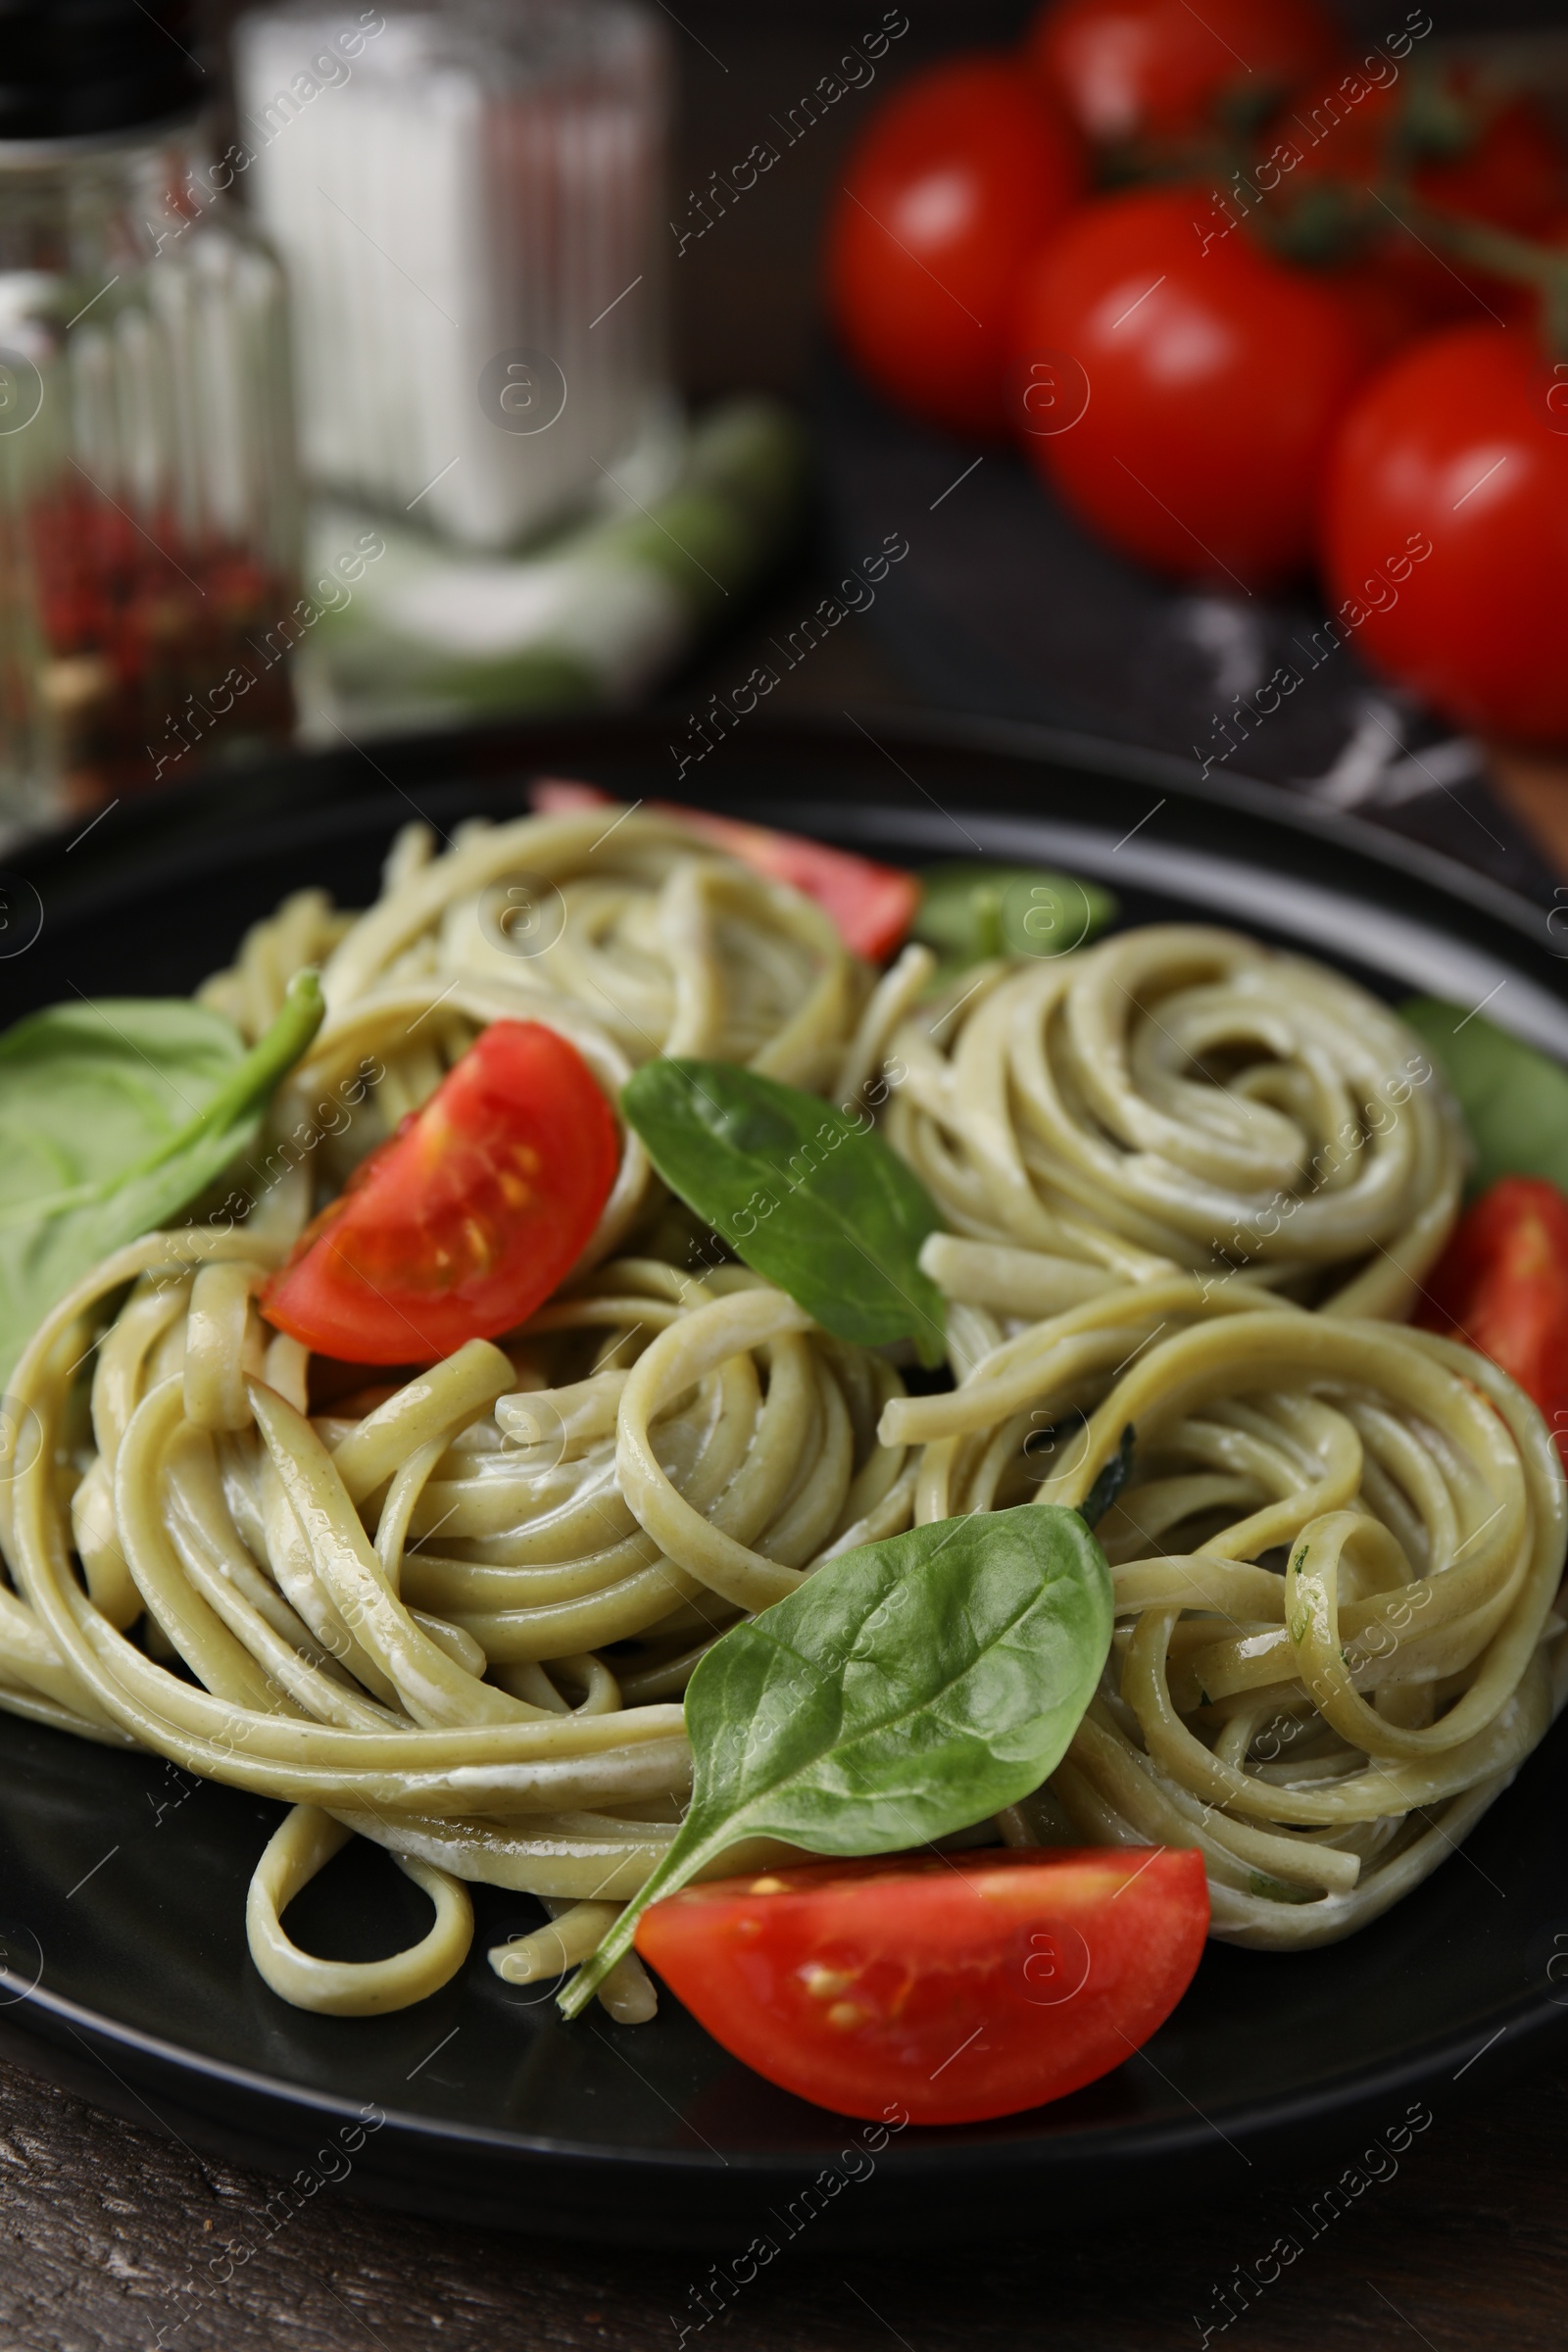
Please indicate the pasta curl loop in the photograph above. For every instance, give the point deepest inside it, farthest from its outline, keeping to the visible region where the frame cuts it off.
(304, 1843)
(440, 1617)
(1334, 1565)
(635, 925)
(1181, 1098)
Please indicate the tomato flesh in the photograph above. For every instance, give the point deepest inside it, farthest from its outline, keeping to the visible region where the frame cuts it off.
(960, 1986)
(1216, 380)
(466, 1220)
(1501, 1286)
(871, 906)
(954, 184)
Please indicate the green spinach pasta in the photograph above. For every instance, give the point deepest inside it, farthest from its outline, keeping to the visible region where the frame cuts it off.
(1179, 1097)
(1335, 1564)
(450, 1600)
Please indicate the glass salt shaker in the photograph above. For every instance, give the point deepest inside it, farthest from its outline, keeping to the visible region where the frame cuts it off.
(470, 198)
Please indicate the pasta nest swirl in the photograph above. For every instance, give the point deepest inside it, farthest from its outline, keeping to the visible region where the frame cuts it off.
(629, 937)
(634, 924)
(1336, 1568)
(1179, 1097)
(396, 1614)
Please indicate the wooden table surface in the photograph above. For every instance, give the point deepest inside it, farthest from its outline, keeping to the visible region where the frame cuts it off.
(109, 2226)
(108, 2233)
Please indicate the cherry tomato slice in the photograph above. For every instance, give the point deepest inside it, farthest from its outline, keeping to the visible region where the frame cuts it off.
(1501, 1286)
(959, 1985)
(466, 1220)
(872, 906)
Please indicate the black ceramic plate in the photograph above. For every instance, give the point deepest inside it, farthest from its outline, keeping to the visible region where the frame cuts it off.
(123, 1883)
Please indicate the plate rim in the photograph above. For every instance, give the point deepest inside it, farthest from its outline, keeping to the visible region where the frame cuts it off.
(1101, 2144)
(169, 810)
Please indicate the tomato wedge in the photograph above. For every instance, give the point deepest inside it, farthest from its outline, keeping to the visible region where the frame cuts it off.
(467, 1218)
(871, 905)
(1501, 1286)
(961, 1986)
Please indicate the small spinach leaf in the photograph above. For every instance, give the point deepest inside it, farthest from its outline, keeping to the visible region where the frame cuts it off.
(806, 1195)
(969, 910)
(113, 1116)
(906, 1691)
(1514, 1099)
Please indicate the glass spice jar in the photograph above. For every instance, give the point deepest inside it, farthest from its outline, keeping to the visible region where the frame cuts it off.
(149, 513)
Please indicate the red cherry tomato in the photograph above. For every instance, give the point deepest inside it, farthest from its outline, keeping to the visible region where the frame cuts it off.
(1501, 1286)
(1163, 69)
(1504, 166)
(960, 1986)
(872, 906)
(465, 1221)
(954, 183)
(1458, 447)
(1215, 378)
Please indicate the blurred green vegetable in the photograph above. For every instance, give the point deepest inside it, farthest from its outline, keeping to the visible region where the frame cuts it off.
(1514, 1099)
(969, 910)
(590, 619)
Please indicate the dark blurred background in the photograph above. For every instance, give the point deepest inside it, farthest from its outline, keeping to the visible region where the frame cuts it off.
(746, 316)
(1008, 606)
(746, 307)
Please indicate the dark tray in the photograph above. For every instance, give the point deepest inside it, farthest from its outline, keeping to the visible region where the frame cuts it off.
(122, 1884)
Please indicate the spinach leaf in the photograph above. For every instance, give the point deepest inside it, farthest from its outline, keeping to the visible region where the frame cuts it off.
(1514, 1099)
(806, 1195)
(969, 910)
(113, 1116)
(906, 1691)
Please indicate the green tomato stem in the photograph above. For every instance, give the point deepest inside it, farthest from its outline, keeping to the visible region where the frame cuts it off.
(1520, 260)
